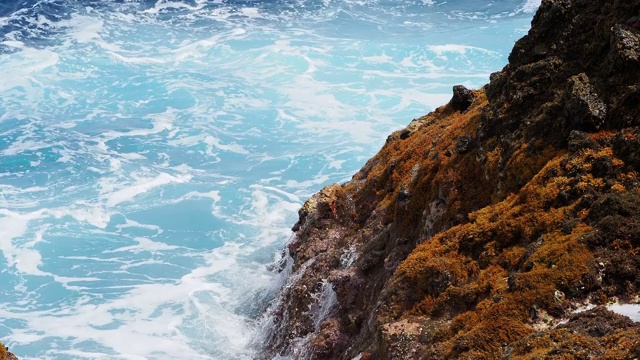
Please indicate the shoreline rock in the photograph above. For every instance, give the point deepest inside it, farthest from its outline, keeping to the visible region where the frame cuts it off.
(478, 230)
(5, 354)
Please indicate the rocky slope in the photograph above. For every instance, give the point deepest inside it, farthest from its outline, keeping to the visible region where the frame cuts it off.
(481, 230)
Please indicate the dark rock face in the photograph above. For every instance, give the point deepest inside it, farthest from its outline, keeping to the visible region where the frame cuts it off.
(465, 144)
(447, 245)
(626, 45)
(462, 98)
(571, 72)
(580, 140)
(584, 108)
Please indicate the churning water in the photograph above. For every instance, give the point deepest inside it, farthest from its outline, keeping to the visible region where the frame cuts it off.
(153, 154)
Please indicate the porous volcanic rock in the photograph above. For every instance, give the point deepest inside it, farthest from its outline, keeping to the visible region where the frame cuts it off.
(480, 231)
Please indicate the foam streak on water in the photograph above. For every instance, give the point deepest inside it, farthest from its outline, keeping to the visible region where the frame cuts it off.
(153, 154)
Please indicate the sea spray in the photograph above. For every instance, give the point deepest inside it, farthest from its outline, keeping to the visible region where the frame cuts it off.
(326, 301)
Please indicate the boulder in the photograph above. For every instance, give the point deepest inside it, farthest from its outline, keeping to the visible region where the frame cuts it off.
(462, 98)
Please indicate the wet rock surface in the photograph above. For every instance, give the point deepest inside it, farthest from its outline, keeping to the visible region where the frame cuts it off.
(479, 230)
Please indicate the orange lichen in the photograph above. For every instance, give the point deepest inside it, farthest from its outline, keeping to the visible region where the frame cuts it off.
(527, 161)
(493, 243)
(514, 258)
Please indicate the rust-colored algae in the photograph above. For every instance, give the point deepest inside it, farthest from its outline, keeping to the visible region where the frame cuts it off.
(519, 257)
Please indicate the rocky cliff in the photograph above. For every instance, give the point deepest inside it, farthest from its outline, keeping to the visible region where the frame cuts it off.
(499, 226)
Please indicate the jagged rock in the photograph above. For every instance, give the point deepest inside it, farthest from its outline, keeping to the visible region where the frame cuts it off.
(462, 98)
(532, 97)
(625, 110)
(405, 134)
(627, 147)
(598, 322)
(328, 342)
(584, 108)
(626, 44)
(328, 203)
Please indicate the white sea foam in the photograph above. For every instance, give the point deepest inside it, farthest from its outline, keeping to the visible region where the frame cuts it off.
(379, 59)
(167, 4)
(142, 186)
(130, 223)
(326, 301)
(12, 226)
(83, 29)
(440, 50)
(250, 12)
(144, 244)
(531, 6)
(95, 215)
(148, 319)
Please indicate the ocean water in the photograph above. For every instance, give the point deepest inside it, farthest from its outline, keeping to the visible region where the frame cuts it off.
(154, 153)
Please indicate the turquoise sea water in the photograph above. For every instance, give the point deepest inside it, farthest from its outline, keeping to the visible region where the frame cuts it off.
(154, 154)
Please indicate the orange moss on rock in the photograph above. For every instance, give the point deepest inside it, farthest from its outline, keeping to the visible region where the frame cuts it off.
(516, 260)
(419, 164)
(466, 253)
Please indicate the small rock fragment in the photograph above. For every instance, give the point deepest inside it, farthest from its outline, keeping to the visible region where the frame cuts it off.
(464, 144)
(462, 98)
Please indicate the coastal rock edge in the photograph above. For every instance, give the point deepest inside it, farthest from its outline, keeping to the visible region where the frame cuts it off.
(503, 225)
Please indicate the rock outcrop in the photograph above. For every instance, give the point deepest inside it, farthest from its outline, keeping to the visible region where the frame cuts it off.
(5, 354)
(483, 228)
